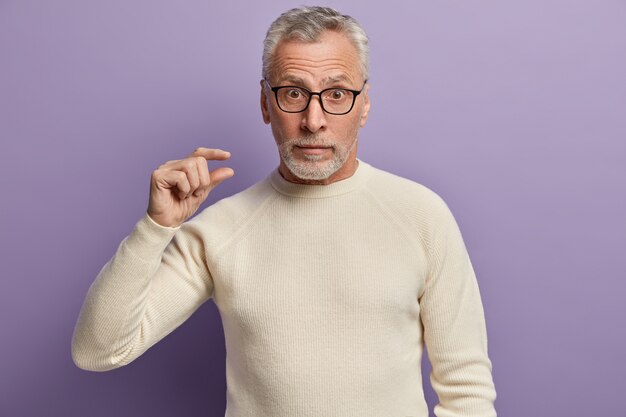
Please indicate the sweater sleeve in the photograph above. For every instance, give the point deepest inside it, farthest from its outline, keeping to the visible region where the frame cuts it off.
(454, 326)
(155, 280)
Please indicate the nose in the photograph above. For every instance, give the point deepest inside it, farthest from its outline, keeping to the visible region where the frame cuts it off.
(314, 118)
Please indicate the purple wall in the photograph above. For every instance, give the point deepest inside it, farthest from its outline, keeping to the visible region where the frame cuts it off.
(514, 113)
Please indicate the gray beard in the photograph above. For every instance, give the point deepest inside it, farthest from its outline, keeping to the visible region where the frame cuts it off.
(311, 168)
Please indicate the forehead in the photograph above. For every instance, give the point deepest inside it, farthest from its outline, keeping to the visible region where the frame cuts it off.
(333, 58)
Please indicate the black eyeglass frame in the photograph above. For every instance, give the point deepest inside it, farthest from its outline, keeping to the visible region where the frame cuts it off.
(355, 93)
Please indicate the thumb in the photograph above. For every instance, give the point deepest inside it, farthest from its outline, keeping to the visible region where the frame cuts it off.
(220, 174)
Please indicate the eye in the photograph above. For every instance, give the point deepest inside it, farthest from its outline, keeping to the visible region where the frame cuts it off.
(337, 94)
(294, 93)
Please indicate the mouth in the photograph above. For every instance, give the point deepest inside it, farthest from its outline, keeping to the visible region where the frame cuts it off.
(313, 149)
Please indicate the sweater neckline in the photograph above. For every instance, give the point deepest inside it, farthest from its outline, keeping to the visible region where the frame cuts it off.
(343, 186)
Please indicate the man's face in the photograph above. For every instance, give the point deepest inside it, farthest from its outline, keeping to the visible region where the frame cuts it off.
(316, 147)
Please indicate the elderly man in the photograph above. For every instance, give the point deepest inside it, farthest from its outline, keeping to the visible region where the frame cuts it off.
(330, 275)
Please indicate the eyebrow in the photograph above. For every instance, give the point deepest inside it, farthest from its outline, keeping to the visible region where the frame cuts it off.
(292, 79)
(340, 78)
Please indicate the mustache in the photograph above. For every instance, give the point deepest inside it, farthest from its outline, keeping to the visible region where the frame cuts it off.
(311, 139)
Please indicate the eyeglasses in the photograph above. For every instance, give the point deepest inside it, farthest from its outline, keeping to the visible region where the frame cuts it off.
(294, 99)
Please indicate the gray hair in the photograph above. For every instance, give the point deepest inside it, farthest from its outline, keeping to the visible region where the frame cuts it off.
(307, 24)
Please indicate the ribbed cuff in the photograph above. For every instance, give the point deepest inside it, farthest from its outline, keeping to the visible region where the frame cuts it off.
(149, 239)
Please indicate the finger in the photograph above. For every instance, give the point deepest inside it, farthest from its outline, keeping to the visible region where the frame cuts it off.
(168, 163)
(211, 154)
(189, 167)
(178, 180)
(220, 174)
(203, 176)
(194, 174)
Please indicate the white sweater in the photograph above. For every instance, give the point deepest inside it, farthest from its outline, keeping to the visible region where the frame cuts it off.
(327, 294)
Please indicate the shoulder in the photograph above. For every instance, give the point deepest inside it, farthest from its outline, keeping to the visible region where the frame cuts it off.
(224, 217)
(405, 196)
(416, 208)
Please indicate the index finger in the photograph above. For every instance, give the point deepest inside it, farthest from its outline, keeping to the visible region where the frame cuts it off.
(212, 154)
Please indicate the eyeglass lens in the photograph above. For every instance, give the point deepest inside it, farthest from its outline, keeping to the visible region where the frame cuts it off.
(294, 99)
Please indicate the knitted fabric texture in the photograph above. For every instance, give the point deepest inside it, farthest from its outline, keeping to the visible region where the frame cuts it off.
(327, 295)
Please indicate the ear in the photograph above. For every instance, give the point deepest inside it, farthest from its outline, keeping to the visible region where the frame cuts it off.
(264, 104)
(366, 105)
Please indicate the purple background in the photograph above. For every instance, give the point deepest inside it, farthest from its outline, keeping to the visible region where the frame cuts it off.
(514, 113)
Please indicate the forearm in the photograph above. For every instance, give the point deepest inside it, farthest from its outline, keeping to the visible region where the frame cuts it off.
(111, 316)
(461, 369)
(457, 348)
(454, 327)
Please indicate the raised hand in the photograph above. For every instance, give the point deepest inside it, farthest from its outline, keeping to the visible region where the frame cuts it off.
(179, 187)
